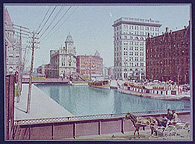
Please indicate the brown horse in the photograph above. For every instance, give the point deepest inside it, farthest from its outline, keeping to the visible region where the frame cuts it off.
(139, 121)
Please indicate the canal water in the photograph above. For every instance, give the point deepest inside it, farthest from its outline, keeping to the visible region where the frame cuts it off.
(85, 100)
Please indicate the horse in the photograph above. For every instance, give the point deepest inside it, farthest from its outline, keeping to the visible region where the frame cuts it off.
(139, 121)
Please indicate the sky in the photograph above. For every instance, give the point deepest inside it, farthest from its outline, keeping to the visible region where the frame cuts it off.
(90, 25)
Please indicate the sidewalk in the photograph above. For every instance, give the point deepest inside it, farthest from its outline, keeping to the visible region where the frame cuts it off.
(41, 106)
(144, 135)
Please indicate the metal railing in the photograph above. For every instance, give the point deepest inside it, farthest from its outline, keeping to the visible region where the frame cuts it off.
(88, 117)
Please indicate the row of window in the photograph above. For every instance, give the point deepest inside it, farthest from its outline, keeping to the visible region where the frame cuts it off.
(130, 64)
(135, 27)
(168, 62)
(126, 43)
(136, 33)
(131, 48)
(136, 53)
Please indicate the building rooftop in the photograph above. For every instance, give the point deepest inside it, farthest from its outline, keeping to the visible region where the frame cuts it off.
(136, 21)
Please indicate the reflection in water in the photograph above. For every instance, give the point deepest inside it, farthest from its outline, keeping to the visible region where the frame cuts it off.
(54, 93)
(84, 100)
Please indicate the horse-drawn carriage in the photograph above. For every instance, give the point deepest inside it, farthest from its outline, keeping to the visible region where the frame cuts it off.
(156, 127)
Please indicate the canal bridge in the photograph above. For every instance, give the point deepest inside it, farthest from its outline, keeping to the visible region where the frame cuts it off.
(47, 80)
(75, 126)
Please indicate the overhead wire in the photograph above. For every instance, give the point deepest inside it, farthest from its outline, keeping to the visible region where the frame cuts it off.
(65, 20)
(47, 19)
(43, 18)
(57, 22)
(52, 20)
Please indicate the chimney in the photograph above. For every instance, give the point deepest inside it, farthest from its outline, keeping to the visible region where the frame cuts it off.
(167, 29)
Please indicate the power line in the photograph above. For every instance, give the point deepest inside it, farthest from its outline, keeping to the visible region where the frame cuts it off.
(43, 18)
(66, 20)
(52, 20)
(47, 19)
(57, 22)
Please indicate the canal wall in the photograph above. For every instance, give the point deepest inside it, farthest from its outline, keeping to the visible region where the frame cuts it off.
(41, 105)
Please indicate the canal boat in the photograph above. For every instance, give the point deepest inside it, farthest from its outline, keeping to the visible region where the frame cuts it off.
(100, 84)
(152, 90)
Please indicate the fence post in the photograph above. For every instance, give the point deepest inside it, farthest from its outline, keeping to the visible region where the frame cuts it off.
(52, 130)
(74, 130)
(122, 126)
(99, 127)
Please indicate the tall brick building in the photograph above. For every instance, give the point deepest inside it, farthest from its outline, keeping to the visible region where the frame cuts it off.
(90, 65)
(168, 56)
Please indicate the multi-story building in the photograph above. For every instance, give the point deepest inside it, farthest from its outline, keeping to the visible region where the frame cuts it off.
(111, 72)
(63, 61)
(90, 65)
(129, 45)
(168, 56)
(44, 69)
(106, 76)
(12, 45)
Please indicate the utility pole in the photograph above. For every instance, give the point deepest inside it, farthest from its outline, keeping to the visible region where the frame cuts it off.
(22, 31)
(31, 70)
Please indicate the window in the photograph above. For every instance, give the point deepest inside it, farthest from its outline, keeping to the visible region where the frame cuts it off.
(141, 58)
(130, 48)
(136, 58)
(147, 28)
(136, 48)
(125, 53)
(142, 64)
(141, 48)
(130, 53)
(131, 59)
(141, 54)
(136, 53)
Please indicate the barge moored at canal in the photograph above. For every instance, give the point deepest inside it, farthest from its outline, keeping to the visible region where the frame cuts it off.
(100, 84)
(157, 91)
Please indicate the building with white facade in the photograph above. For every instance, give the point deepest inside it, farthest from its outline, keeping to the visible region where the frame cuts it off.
(63, 61)
(129, 45)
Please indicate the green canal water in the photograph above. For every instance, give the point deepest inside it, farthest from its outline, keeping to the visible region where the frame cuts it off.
(85, 100)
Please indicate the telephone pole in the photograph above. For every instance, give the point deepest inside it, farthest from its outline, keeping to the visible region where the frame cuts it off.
(23, 31)
(34, 38)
